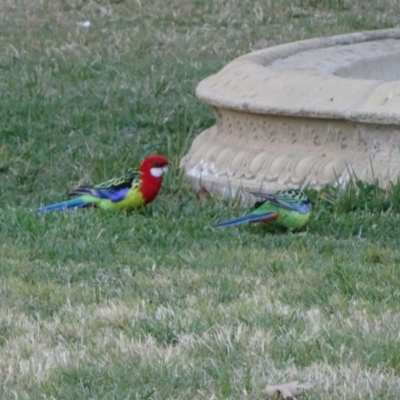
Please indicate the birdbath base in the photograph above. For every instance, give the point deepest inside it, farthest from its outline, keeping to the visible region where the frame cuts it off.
(311, 113)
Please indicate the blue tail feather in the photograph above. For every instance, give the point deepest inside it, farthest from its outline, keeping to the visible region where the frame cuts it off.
(64, 205)
(246, 218)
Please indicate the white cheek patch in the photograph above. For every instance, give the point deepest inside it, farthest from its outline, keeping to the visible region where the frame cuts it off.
(157, 172)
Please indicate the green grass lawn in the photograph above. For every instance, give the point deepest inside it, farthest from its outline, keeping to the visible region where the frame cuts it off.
(157, 304)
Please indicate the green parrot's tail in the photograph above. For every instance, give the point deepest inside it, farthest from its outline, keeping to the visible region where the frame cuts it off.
(248, 219)
(64, 205)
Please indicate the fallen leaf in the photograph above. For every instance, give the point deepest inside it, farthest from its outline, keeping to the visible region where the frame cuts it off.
(288, 390)
(203, 194)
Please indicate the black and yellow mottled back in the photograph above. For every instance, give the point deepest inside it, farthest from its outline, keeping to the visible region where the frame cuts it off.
(129, 180)
(289, 199)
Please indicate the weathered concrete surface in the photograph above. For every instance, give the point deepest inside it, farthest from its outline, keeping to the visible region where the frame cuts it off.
(302, 113)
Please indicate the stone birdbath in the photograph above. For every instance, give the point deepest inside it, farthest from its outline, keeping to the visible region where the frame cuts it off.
(311, 113)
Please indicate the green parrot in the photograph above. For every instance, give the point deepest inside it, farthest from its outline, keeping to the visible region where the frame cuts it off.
(288, 208)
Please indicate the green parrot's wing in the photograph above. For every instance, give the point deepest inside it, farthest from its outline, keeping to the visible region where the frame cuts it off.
(114, 189)
(291, 200)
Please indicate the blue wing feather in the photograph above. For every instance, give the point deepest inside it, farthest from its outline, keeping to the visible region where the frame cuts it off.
(112, 194)
(288, 203)
(114, 189)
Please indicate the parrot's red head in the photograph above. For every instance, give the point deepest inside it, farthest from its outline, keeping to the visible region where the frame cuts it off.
(152, 171)
(156, 166)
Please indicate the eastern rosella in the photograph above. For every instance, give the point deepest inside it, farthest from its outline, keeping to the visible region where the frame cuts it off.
(289, 209)
(133, 190)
